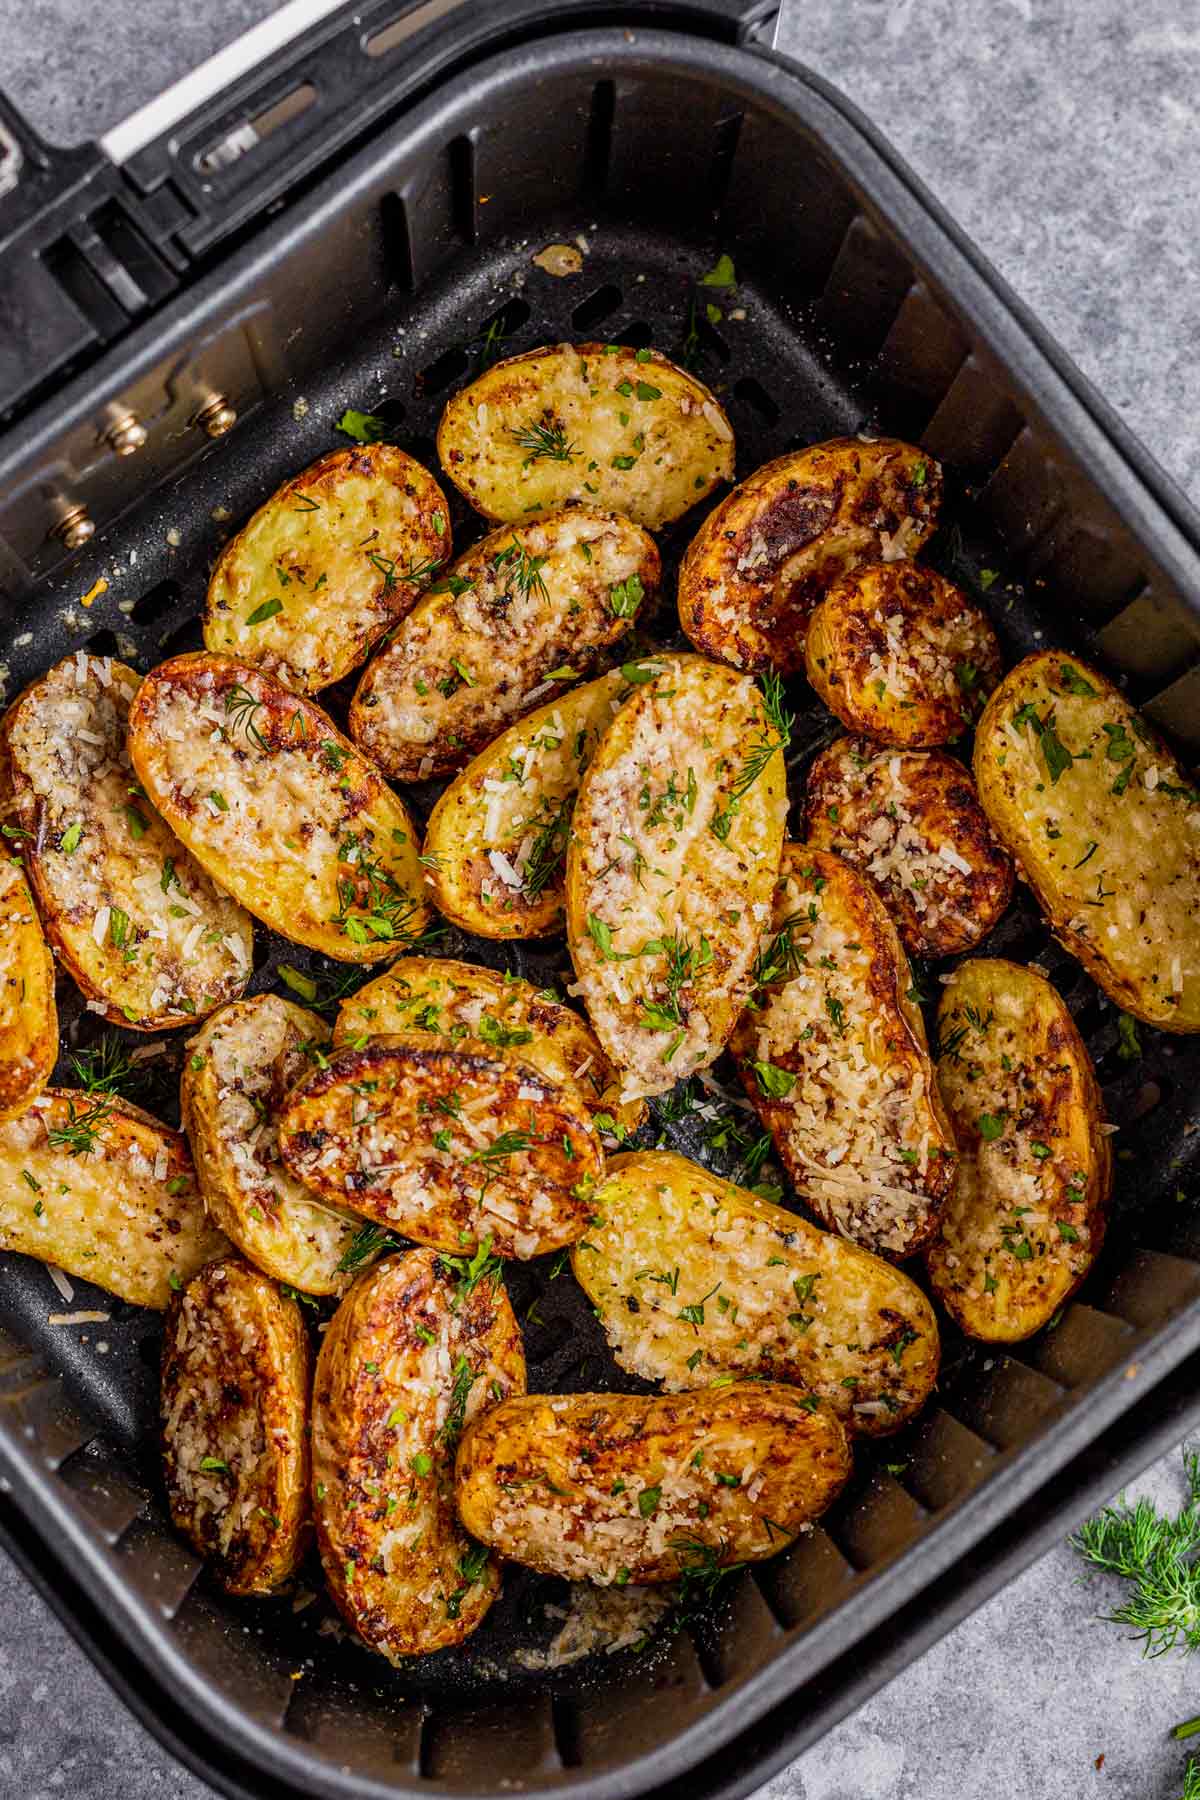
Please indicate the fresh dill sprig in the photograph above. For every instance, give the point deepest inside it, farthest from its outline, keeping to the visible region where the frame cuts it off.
(78, 1136)
(544, 441)
(1154, 1556)
(371, 902)
(551, 827)
(782, 958)
(419, 572)
(105, 1068)
(702, 1573)
(242, 709)
(509, 1143)
(1191, 1780)
(524, 570)
(684, 960)
(368, 1242)
(460, 1392)
(777, 737)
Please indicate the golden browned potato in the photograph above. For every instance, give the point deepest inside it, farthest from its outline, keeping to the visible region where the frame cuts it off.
(448, 1147)
(1025, 1218)
(674, 850)
(1106, 827)
(415, 1352)
(135, 920)
(99, 1188)
(455, 1001)
(28, 1018)
(691, 1276)
(911, 820)
(833, 1056)
(636, 1487)
(234, 1407)
(279, 807)
(329, 563)
(901, 654)
(239, 1069)
(588, 422)
(525, 613)
(761, 562)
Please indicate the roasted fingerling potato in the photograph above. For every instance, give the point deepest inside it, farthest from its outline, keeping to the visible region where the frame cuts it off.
(692, 1276)
(279, 807)
(642, 1488)
(911, 820)
(763, 559)
(234, 1410)
(832, 1053)
(416, 1351)
(1106, 827)
(1025, 1218)
(598, 423)
(527, 612)
(28, 1016)
(329, 563)
(136, 921)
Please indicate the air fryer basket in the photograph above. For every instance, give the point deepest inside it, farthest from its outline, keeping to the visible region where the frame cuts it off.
(375, 287)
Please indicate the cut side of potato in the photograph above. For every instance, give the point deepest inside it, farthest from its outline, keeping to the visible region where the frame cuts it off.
(760, 563)
(833, 1056)
(911, 820)
(633, 1487)
(414, 1353)
(235, 1380)
(28, 1017)
(674, 851)
(135, 919)
(901, 654)
(527, 612)
(1105, 825)
(1025, 1219)
(279, 807)
(457, 1001)
(328, 564)
(99, 1188)
(589, 422)
(447, 1147)
(692, 1276)
(239, 1069)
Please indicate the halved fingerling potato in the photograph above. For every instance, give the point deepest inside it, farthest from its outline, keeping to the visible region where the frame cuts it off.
(691, 1276)
(636, 1487)
(458, 1001)
(589, 422)
(529, 608)
(911, 820)
(901, 654)
(447, 1147)
(833, 1055)
(239, 1069)
(332, 559)
(136, 921)
(763, 559)
(413, 1355)
(102, 1190)
(1106, 827)
(279, 807)
(28, 1017)
(674, 850)
(1025, 1218)
(234, 1409)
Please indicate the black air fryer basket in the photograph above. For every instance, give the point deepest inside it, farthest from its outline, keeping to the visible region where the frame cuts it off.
(352, 225)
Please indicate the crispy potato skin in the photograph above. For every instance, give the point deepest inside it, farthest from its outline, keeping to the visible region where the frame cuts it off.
(760, 563)
(466, 660)
(238, 1071)
(363, 1132)
(901, 655)
(117, 1223)
(897, 815)
(28, 1016)
(1107, 840)
(405, 1363)
(444, 997)
(279, 807)
(776, 1297)
(604, 1487)
(1025, 1219)
(584, 391)
(104, 869)
(235, 1381)
(857, 1119)
(663, 866)
(334, 546)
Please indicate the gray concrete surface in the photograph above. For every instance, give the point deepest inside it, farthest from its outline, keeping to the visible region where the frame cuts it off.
(1064, 136)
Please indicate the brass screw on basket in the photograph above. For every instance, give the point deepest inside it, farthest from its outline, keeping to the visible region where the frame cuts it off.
(74, 528)
(126, 434)
(216, 416)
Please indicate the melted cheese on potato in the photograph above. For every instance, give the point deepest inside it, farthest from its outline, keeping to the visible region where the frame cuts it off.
(28, 1017)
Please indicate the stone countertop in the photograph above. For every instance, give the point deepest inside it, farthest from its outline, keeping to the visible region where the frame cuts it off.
(1065, 139)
